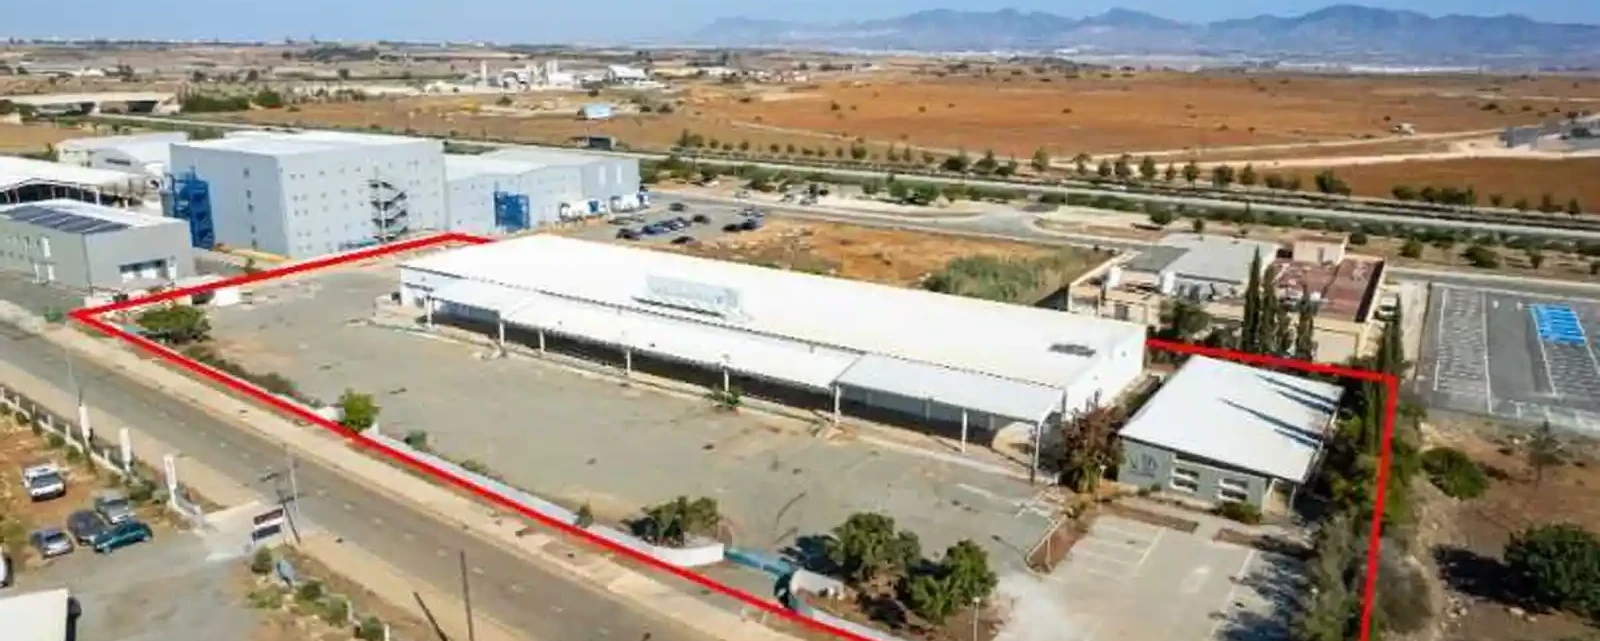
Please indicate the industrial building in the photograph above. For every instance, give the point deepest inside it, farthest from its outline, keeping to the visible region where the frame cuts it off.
(606, 183)
(1220, 431)
(1202, 266)
(92, 247)
(805, 339)
(102, 152)
(24, 180)
(496, 195)
(308, 193)
(136, 102)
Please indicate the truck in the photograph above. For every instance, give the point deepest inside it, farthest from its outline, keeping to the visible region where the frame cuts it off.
(44, 480)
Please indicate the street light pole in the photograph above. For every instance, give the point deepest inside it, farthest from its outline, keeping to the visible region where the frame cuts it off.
(466, 596)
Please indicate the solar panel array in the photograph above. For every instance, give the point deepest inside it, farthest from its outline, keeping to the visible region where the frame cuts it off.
(65, 221)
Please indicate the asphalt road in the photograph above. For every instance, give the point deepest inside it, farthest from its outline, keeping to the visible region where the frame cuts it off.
(513, 591)
(1200, 201)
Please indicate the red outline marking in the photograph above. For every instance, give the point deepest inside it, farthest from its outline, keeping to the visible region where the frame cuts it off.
(91, 317)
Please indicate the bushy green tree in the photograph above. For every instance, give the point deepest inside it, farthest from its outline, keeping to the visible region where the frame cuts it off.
(357, 412)
(1558, 566)
(673, 522)
(867, 548)
(175, 324)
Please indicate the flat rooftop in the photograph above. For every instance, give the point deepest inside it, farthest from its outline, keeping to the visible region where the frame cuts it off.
(465, 166)
(546, 157)
(1262, 421)
(68, 98)
(79, 217)
(898, 330)
(103, 142)
(17, 171)
(280, 143)
(36, 616)
(1218, 258)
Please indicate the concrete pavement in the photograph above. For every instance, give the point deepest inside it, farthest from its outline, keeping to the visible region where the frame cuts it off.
(538, 601)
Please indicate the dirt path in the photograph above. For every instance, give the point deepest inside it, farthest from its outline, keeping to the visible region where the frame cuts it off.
(1445, 135)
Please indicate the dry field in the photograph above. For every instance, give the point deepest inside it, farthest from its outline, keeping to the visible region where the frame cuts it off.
(1466, 537)
(1512, 178)
(885, 256)
(1016, 114)
(22, 139)
(466, 117)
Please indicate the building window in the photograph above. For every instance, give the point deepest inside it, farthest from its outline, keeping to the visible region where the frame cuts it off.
(1232, 495)
(1184, 485)
(247, 172)
(1236, 484)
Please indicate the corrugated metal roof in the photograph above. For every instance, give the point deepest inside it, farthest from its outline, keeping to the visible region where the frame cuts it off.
(1220, 258)
(971, 390)
(1254, 419)
(16, 171)
(78, 217)
(106, 142)
(462, 167)
(1009, 341)
(547, 157)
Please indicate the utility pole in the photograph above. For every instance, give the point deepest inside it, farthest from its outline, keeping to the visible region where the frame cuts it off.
(290, 513)
(466, 596)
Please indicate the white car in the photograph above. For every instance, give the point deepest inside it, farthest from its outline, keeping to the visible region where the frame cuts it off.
(44, 481)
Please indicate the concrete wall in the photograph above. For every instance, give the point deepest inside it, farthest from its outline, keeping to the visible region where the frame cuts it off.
(1145, 465)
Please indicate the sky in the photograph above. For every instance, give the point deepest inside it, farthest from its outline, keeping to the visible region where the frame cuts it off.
(601, 22)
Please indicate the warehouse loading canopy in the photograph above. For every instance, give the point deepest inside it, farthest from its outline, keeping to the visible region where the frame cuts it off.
(480, 295)
(967, 390)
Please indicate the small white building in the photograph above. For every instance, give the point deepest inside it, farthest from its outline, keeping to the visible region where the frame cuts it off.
(80, 151)
(624, 75)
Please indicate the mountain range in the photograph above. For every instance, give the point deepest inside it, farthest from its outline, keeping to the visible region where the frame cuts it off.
(1348, 33)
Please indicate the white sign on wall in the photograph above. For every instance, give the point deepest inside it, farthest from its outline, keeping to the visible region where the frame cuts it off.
(691, 295)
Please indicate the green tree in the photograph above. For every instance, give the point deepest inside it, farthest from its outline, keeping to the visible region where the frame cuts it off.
(744, 145)
(1123, 168)
(1104, 169)
(1412, 248)
(1257, 296)
(931, 597)
(1171, 173)
(1521, 204)
(1535, 258)
(1147, 168)
(1573, 208)
(1482, 256)
(1248, 176)
(174, 324)
(1041, 160)
(867, 547)
(1198, 225)
(1089, 447)
(1183, 319)
(1547, 204)
(1544, 452)
(1305, 329)
(1497, 200)
(958, 163)
(1080, 164)
(673, 522)
(1558, 566)
(966, 566)
(987, 164)
(357, 412)
(1454, 473)
(1191, 172)
(1222, 175)
(584, 517)
(1161, 217)
(1404, 192)
(1329, 183)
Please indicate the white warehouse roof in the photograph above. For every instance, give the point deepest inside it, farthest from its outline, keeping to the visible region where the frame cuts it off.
(36, 616)
(1003, 359)
(1220, 258)
(1258, 420)
(464, 166)
(279, 143)
(104, 142)
(546, 157)
(17, 171)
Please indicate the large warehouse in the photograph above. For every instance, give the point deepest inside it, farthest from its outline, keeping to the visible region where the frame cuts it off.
(83, 152)
(499, 195)
(607, 183)
(306, 194)
(930, 357)
(91, 247)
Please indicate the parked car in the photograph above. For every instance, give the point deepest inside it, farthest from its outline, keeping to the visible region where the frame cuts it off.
(683, 240)
(44, 481)
(733, 228)
(50, 542)
(750, 224)
(628, 233)
(701, 219)
(85, 525)
(742, 194)
(650, 229)
(113, 505)
(678, 207)
(122, 535)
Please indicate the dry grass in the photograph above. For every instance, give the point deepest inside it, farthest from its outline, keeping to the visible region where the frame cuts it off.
(884, 256)
(1512, 178)
(23, 139)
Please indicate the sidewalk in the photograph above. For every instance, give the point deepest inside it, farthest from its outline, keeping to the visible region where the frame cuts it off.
(349, 561)
(600, 574)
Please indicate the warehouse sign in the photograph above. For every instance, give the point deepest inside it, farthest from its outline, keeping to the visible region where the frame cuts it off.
(690, 295)
(268, 523)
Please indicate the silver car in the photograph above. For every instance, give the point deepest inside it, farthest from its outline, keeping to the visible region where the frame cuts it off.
(114, 506)
(51, 542)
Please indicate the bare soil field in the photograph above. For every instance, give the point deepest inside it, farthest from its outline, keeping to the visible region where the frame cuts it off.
(884, 256)
(1512, 178)
(467, 117)
(22, 139)
(1375, 148)
(1016, 114)
(1467, 537)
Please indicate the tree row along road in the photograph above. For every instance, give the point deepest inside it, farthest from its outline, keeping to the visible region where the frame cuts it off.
(1352, 210)
(514, 591)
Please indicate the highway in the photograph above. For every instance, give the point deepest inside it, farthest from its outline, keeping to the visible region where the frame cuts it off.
(1190, 201)
(516, 592)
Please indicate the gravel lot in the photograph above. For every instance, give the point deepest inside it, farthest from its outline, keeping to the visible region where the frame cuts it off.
(580, 438)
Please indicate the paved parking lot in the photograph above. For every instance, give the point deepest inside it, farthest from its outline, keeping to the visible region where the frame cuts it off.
(718, 216)
(579, 438)
(1484, 352)
(1130, 581)
(178, 587)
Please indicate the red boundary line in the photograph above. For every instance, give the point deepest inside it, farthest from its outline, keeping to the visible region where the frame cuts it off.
(91, 317)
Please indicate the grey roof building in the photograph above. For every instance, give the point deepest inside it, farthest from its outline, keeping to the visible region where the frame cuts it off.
(1221, 431)
(87, 246)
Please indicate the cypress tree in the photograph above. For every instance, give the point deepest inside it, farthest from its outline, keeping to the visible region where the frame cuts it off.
(1250, 328)
(1305, 342)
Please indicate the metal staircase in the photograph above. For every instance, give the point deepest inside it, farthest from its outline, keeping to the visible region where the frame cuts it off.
(390, 210)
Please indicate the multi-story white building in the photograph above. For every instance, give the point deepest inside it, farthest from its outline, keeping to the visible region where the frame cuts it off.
(607, 183)
(306, 194)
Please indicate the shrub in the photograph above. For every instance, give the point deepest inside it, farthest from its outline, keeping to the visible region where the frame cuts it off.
(673, 522)
(1161, 217)
(585, 516)
(1453, 473)
(1482, 257)
(1558, 566)
(371, 629)
(262, 562)
(56, 442)
(1238, 511)
(417, 439)
(308, 592)
(336, 610)
(1358, 238)
(266, 598)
